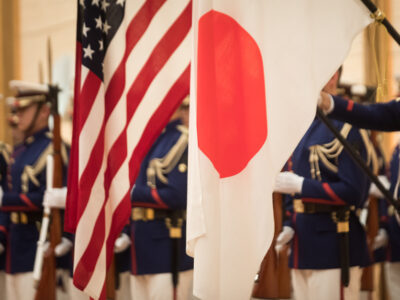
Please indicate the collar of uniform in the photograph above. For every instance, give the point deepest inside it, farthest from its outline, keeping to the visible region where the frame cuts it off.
(30, 139)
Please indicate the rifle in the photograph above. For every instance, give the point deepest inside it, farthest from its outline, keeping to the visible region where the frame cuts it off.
(46, 288)
(273, 279)
(367, 279)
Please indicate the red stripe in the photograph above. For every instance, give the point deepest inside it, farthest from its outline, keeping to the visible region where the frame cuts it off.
(87, 97)
(160, 55)
(73, 169)
(350, 105)
(161, 116)
(85, 267)
(157, 198)
(112, 96)
(3, 229)
(27, 201)
(332, 194)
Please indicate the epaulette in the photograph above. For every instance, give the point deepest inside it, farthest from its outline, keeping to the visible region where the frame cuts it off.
(162, 166)
(325, 153)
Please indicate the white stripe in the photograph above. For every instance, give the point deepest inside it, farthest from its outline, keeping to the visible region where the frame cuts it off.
(88, 219)
(84, 73)
(162, 21)
(96, 281)
(116, 49)
(120, 183)
(158, 89)
(91, 130)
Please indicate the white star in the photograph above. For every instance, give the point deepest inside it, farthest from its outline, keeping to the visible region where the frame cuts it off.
(95, 2)
(101, 47)
(121, 2)
(106, 27)
(81, 2)
(99, 23)
(88, 52)
(104, 5)
(85, 30)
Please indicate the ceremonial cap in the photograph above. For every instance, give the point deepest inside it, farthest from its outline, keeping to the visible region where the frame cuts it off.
(27, 93)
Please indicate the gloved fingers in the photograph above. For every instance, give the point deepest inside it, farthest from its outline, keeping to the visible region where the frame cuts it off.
(122, 243)
(63, 247)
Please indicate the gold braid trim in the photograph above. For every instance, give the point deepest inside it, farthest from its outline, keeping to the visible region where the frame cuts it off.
(333, 149)
(161, 166)
(30, 172)
(325, 152)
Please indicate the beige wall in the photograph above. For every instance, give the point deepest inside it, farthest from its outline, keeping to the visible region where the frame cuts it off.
(41, 19)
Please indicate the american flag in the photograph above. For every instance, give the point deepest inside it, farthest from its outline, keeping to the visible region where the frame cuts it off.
(132, 71)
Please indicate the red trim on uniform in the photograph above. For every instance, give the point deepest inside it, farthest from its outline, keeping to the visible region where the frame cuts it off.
(145, 204)
(27, 201)
(133, 253)
(332, 194)
(384, 219)
(157, 198)
(350, 105)
(341, 291)
(3, 229)
(295, 246)
(18, 208)
(288, 213)
(320, 201)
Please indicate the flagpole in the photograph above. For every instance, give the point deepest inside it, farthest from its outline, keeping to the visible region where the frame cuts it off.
(379, 16)
(359, 161)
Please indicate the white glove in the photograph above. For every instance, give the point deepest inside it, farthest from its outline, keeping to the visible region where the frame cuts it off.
(55, 197)
(63, 248)
(288, 183)
(284, 237)
(374, 191)
(325, 102)
(1, 248)
(381, 239)
(1, 196)
(122, 243)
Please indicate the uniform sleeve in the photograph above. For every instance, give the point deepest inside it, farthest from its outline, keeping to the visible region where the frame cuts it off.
(381, 116)
(350, 186)
(167, 196)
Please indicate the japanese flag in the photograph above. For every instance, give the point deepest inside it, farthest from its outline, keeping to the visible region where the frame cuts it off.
(258, 67)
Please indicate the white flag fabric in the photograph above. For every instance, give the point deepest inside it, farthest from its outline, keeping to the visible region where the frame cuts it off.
(257, 70)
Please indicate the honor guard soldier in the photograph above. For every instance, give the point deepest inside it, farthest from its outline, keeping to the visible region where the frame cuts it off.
(158, 226)
(329, 244)
(26, 185)
(5, 151)
(393, 231)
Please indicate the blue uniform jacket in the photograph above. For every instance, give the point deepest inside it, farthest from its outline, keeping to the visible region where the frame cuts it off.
(26, 186)
(4, 217)
(151, 244)
(393, 228)
(380, 116)
(315, 244)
